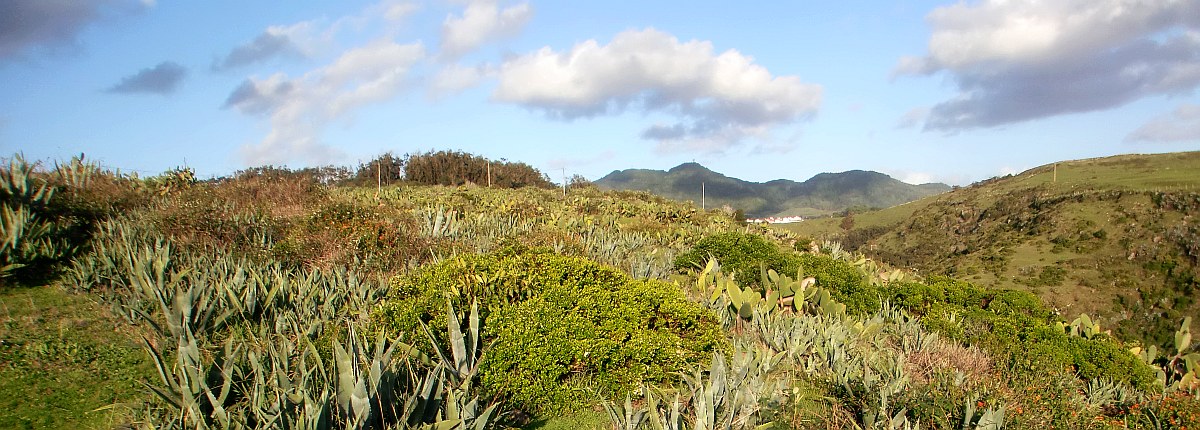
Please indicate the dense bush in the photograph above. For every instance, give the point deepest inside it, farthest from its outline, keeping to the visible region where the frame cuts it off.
(1016, 325)
(739, 253)
(560, 328)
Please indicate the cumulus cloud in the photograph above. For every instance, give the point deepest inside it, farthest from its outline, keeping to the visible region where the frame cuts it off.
(1017, 60)
(161, 79)
(27, 25)
(719, 99)
(300, 108)
(272, 43)
(482, 21)
(1181, 125)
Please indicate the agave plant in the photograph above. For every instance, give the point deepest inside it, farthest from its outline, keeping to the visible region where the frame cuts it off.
(625, 417)
(990, 419)
(20, 187)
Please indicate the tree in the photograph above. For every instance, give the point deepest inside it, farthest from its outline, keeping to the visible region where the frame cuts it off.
(578, 181)
(459, 168)
(386, 169)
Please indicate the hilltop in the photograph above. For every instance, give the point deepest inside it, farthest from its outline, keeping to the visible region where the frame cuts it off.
(821, 195)
(1116, 237)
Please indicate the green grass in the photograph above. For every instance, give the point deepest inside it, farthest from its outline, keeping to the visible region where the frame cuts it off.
(580, 420)
(65, 362)
(1005, 232)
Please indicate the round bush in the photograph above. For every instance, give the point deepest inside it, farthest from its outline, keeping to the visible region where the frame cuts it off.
(560, 329)
(739, 253)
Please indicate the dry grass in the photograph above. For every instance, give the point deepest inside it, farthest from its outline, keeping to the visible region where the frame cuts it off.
(948, 356)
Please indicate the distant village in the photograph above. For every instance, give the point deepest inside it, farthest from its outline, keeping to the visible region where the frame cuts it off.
(776, 220)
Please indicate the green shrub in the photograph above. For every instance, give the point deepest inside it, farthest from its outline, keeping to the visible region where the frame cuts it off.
(739, 253)
(558, 327)
(848, 285)
(1017, 325)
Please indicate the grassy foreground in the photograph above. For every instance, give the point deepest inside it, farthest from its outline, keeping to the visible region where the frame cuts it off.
(66, 362)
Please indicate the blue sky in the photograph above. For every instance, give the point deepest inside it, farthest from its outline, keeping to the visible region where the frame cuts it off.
(922, 90)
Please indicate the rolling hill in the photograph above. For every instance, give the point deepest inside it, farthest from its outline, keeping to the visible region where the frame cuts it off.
(822, 195)
(1116, 237)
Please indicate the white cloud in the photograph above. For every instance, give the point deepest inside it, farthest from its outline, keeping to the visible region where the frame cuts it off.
(913, 117)
(1007, 170)
(1017, 60)
(1181, 125)
(483, 21)
(318, 37)
(719, 99)
(916, 178)
(455, 78)
(300, 108)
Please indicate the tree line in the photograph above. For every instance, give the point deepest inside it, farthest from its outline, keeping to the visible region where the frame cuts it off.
(451, 168)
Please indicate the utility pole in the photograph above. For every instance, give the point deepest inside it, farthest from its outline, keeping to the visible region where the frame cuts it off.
(702, 197)
(564, 173)
(1055, 173)
(489, 173)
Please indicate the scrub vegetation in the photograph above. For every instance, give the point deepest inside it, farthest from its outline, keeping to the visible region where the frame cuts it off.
(330, 298)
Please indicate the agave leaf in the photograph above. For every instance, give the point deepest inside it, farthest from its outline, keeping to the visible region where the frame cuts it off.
(347, 379)
(482, 421)
(458, 345)
(442, 357)
(158, 363)
(473, 330)
(443, 425)
(169, 397)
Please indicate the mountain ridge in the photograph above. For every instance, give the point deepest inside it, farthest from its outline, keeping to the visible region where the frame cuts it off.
(823, 194)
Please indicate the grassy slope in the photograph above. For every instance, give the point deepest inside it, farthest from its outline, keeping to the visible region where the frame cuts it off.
(1089, 238)
(65, 362)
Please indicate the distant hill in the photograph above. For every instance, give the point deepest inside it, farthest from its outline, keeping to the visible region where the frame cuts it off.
(821, 195)
(1116, 236)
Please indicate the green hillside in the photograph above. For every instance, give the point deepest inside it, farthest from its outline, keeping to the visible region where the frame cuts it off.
(823, 194)
(1116, 237)
(278, 298)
